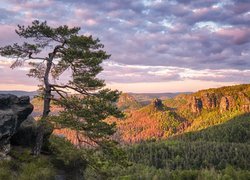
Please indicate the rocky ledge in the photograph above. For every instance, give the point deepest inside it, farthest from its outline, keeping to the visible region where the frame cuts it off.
(239, 101)
(13, 111)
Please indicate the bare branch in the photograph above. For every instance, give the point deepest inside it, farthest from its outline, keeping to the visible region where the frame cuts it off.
(72, 88)
(59, 92)
(81, 140)
(39, 58)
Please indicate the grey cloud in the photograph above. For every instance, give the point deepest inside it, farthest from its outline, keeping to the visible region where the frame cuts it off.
(120, 73)
(188, 34)
(133, 74)
(230, 76)
(7, 16)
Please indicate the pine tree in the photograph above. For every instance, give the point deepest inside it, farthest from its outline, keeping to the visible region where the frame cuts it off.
(81, 57)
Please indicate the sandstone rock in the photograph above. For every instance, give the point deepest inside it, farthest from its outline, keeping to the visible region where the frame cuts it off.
(224, 104)
(13, 111)
(26, 133)
(227, 103)
(244, 101)
(196, 104)
(245, 108)
(157, 103)
(209, 101)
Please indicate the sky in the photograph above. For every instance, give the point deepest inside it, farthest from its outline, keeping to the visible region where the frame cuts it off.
(155, 45)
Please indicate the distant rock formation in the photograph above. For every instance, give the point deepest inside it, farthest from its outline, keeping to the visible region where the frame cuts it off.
(157, 103)
(224, 102)
(245, 102)
(13, 111)
(196, 104)
(209, 101)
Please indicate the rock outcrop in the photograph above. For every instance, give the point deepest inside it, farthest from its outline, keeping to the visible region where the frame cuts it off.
(224, 102)
(196, 104)
(245, 102)
(227, 103)
(26, 134)
(13, 111)
(157, 103)
(209, 101)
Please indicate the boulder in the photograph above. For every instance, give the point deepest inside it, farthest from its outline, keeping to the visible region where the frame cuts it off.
(13, 111)
(26, 133)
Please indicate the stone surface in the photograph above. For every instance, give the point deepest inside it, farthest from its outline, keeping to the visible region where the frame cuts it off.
(227, 103)
(209, 101)
(13, 111)
(245, 102)
(196, 104)
(224, 104)
(26, 134)
(157, 103)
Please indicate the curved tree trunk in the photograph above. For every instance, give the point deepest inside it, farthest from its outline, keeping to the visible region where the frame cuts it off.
(46, 108)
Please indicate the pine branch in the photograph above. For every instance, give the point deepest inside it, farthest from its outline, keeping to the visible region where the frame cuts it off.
(82, 91)
(38, 58)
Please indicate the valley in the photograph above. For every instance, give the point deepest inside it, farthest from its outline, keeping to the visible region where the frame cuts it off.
(189, 136)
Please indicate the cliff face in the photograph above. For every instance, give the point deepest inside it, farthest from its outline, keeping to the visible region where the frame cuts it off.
(13, 111)
(209, 101)
(224, 101)
(245, 102)
(195, 104)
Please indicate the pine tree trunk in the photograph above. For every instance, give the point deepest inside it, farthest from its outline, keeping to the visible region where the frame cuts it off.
(46, 109)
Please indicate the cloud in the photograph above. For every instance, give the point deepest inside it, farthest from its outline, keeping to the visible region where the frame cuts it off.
(121, 73)
(235, 35)
(15, 76)
(184, 34)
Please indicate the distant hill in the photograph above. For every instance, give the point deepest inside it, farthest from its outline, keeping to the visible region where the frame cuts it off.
(235, 130)
(128, 102)
(31, 94)
(185, 113)
(146, 98)
(206, 131)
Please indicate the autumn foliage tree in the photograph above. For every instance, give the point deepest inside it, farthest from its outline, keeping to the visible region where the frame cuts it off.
(53, 52)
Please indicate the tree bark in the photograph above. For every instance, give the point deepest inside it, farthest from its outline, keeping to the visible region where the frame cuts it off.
(46, 108)
(46, 104)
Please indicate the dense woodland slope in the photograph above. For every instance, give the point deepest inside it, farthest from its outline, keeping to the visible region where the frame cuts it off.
(162, 119)
(203, 135)
(184, 113)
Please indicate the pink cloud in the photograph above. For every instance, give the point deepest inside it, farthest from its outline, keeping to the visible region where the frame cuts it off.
(237, 35)
(15, 76)
(7, 34)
